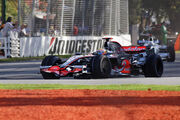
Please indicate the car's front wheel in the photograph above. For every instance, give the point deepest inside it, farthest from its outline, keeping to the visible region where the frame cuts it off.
(50, 61)
(101, 67)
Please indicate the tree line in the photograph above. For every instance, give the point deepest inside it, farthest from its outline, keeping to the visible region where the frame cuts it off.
(161, 9)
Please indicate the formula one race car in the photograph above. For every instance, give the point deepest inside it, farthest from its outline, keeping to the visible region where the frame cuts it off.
(111, 61)
(166, 52)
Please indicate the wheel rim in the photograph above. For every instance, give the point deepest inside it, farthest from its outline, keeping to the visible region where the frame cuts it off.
(106, 67)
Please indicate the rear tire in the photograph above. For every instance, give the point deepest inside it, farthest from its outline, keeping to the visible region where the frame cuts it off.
(172, 55)
(50, 61)
(153, 66)
(101, 67)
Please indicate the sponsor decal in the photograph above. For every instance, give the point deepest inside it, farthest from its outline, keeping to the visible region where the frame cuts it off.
(52, 40)
(126, 67)
(58, 46)
(134, 48)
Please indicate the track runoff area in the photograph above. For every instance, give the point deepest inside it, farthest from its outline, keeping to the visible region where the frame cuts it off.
(28, 73)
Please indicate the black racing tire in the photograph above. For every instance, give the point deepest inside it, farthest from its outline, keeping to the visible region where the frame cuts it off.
(48, 61)
(154, 66)
(51, 60)
(101, 67)
(172, 54)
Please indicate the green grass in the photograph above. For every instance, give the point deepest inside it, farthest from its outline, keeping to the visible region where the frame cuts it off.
(178, 51)
(29, 58)
(35, 58)
(100, 87)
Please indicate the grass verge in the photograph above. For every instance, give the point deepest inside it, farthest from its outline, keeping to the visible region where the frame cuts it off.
(100, 87)
(35, 58)
(178, 51)
(29, 58)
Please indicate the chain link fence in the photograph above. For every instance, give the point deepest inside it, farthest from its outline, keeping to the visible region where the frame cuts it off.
(74, 17)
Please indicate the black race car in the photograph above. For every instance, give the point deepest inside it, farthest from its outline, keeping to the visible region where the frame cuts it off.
(111, 61)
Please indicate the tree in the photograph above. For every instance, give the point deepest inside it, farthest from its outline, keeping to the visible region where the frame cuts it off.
(11, 8)
(165, 9)
(161, 8)
(172, 8)
(135, 7)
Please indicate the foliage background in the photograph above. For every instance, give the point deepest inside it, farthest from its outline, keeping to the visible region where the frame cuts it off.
(11, 9)
(163, 9)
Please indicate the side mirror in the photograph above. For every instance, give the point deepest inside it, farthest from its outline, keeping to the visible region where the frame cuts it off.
(141, 42)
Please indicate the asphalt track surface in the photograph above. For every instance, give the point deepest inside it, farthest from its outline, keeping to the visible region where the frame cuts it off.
(28, 73)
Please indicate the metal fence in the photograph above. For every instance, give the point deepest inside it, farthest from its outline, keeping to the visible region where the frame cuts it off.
(75, 17)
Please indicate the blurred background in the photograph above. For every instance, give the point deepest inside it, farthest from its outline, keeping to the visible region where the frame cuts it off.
(70, 17)
(94, 18)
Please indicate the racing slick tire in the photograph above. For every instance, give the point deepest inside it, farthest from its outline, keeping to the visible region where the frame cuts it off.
(101, 67)
(154, 66)
(48, 61)
(172, 55)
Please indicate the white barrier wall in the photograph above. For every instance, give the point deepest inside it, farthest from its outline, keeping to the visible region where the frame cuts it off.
(10, 46)
(40, 46)
(14, 44)
(124, 40)
(4, 46)
(34, 46)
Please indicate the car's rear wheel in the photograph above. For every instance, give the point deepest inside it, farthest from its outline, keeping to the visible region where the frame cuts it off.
(153, 66)
(101, 67)
(172, 55)
(50, 61)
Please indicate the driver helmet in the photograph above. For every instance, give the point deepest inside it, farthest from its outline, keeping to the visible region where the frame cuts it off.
(107, 42)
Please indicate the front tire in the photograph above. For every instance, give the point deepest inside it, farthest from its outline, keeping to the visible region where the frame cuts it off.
(101, 67)
(50, 61)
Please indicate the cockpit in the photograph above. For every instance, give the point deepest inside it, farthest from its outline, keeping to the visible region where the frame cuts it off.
(113, 46)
